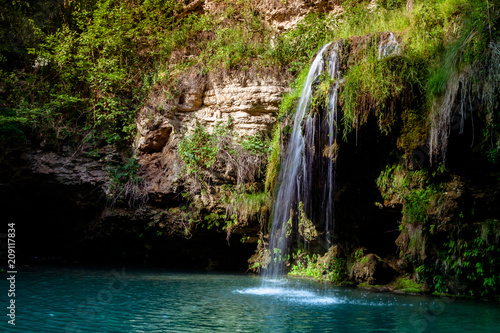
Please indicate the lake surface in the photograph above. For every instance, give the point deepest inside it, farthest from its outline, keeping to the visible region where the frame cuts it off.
(140, 300)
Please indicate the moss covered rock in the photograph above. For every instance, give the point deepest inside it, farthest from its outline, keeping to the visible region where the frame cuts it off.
(371, 270)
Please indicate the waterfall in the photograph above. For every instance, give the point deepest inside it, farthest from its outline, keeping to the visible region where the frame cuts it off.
(388, 46)
(312, 145)
(329, 190)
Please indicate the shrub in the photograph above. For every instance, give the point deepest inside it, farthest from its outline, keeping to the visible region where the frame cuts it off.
(125, 186)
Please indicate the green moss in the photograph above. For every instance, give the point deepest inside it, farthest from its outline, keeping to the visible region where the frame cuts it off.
(274, 160)
(369, 286)
(415, 131)
(372, 85)
(407, 285)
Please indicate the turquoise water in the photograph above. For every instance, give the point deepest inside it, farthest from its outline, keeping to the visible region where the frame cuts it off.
(132, 300)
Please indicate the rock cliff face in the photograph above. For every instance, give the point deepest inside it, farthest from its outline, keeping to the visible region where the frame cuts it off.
(284, 15)
(72, 169)
(250, 103)
(80, 178)
(280, 14)
(250, 99)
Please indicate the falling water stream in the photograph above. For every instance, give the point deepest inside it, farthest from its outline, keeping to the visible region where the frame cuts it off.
(311, 152)
(296, 173)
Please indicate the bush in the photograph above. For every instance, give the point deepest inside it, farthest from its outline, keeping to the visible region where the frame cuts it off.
(125, 186)
(198, 150)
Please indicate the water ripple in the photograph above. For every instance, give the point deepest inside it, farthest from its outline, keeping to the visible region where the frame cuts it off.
(56, 300)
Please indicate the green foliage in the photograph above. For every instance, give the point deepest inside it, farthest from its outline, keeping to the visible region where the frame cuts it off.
(245, 206)
(358, 254)
(440, 38)
(416, 208)
(319, 268)
(234, 46)
(85, 71)
(321, 94)
(30, 102)
(359, 20)
(212, 220)
(195, 215)
(120, 173)
(198, 150)
(419, 192)
(398, 184)
(492, 154)
(468, 256)
(213, 155)
(297, 46)
(336, 271)
(204, 153)
(125, 186)
(415, 189)
(104, 57)
(24, 24)
(475, 23)
(255, 144)
(11, 127)
(306, 267)
(391, 4)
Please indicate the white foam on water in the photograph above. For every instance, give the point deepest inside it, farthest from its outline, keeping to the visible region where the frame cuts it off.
(310, 298)
(291, 295)
(321, 300)
(282, 292)
(275, 281)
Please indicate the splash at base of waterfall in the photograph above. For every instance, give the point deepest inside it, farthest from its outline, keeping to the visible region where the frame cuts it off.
(284, 290)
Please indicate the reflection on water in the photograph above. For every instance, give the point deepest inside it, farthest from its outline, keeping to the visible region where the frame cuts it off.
(106, 300)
